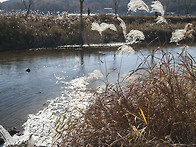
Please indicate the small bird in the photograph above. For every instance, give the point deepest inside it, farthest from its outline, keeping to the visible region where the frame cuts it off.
(28, 70)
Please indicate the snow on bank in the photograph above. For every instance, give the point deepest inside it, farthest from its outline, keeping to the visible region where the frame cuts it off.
(40, 127)
(117, 44)
(84, 46)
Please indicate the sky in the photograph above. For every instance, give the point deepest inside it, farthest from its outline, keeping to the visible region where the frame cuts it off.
(3, 0)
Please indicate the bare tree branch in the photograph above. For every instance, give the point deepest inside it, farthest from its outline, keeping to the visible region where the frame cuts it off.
(27, 4)
(116, 5)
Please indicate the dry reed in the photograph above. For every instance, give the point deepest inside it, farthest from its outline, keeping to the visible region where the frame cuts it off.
(155, 105)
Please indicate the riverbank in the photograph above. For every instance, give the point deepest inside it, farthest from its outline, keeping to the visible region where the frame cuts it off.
(20, 32)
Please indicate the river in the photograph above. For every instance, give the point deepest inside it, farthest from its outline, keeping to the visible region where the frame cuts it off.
(23, 93)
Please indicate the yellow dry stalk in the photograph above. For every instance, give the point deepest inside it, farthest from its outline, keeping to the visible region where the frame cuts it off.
(135, 135)
(55, 138)
(137, 132)
(130, 137)
(148, 111)
(89, 123)
(133, 138)
(141, 117)
(134, 115)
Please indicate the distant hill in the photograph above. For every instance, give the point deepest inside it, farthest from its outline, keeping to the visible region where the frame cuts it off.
(97, 6)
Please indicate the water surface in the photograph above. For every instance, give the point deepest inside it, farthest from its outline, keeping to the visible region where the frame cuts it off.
(23, 93)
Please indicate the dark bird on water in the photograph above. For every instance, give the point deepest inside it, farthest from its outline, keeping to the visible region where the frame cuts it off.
(28, 70)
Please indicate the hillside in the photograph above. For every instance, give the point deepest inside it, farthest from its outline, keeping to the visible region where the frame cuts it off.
(97, 6)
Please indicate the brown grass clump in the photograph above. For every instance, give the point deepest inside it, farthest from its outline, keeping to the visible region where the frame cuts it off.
(153, 105)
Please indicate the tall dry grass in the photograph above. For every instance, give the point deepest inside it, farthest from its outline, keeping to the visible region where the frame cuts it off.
(19, 32)
(154, 105)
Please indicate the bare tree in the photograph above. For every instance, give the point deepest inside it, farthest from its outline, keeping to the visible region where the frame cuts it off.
(167, 3)
(81, 23)
(81, 8)
(116, 5)
(177, 7)
(27, 4)
(67, 5)
(187, 4)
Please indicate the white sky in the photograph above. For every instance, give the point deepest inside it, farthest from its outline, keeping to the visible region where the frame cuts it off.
(3, 0)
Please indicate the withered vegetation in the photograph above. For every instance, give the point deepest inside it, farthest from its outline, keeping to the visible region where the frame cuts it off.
(18, 31)
(155, 105)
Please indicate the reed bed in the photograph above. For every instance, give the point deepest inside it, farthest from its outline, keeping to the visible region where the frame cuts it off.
(153, 105)
(20, 31)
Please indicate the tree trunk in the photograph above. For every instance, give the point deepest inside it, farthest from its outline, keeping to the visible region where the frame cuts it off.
(187, 5)
(27, 5)
(29, 8)
(116, 4)
(115, 8)
(81, 41)
(68, 5)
